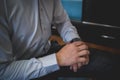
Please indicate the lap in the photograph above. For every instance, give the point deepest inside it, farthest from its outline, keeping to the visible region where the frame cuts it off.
(102, 66)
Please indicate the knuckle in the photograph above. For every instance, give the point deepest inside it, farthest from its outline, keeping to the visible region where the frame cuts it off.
(85, 46)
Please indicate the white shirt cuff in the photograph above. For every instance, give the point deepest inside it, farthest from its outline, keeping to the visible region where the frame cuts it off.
(50, 63)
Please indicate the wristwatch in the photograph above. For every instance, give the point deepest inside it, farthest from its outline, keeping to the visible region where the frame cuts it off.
(75, 39)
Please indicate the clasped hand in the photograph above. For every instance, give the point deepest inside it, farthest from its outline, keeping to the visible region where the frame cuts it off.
(74, 54)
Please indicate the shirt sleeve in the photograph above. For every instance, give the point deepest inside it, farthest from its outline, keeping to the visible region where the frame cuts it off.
(28, 69)
(63, 23)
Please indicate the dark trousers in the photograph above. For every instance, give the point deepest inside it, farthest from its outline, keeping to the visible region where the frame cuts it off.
(102, 66)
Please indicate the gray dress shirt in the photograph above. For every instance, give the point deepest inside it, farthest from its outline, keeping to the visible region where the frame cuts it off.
(25, 29)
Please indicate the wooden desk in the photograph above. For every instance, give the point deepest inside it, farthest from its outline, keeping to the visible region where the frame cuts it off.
(91, 45)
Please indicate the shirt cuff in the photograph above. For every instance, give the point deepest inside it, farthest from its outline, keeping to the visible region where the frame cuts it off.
(50, 63)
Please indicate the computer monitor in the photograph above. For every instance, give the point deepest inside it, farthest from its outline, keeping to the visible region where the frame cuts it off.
(103, 12)
(102, 18)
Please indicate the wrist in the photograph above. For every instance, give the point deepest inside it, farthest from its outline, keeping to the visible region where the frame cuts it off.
(59, 59)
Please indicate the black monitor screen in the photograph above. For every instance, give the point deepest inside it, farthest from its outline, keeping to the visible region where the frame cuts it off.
(102, 12)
